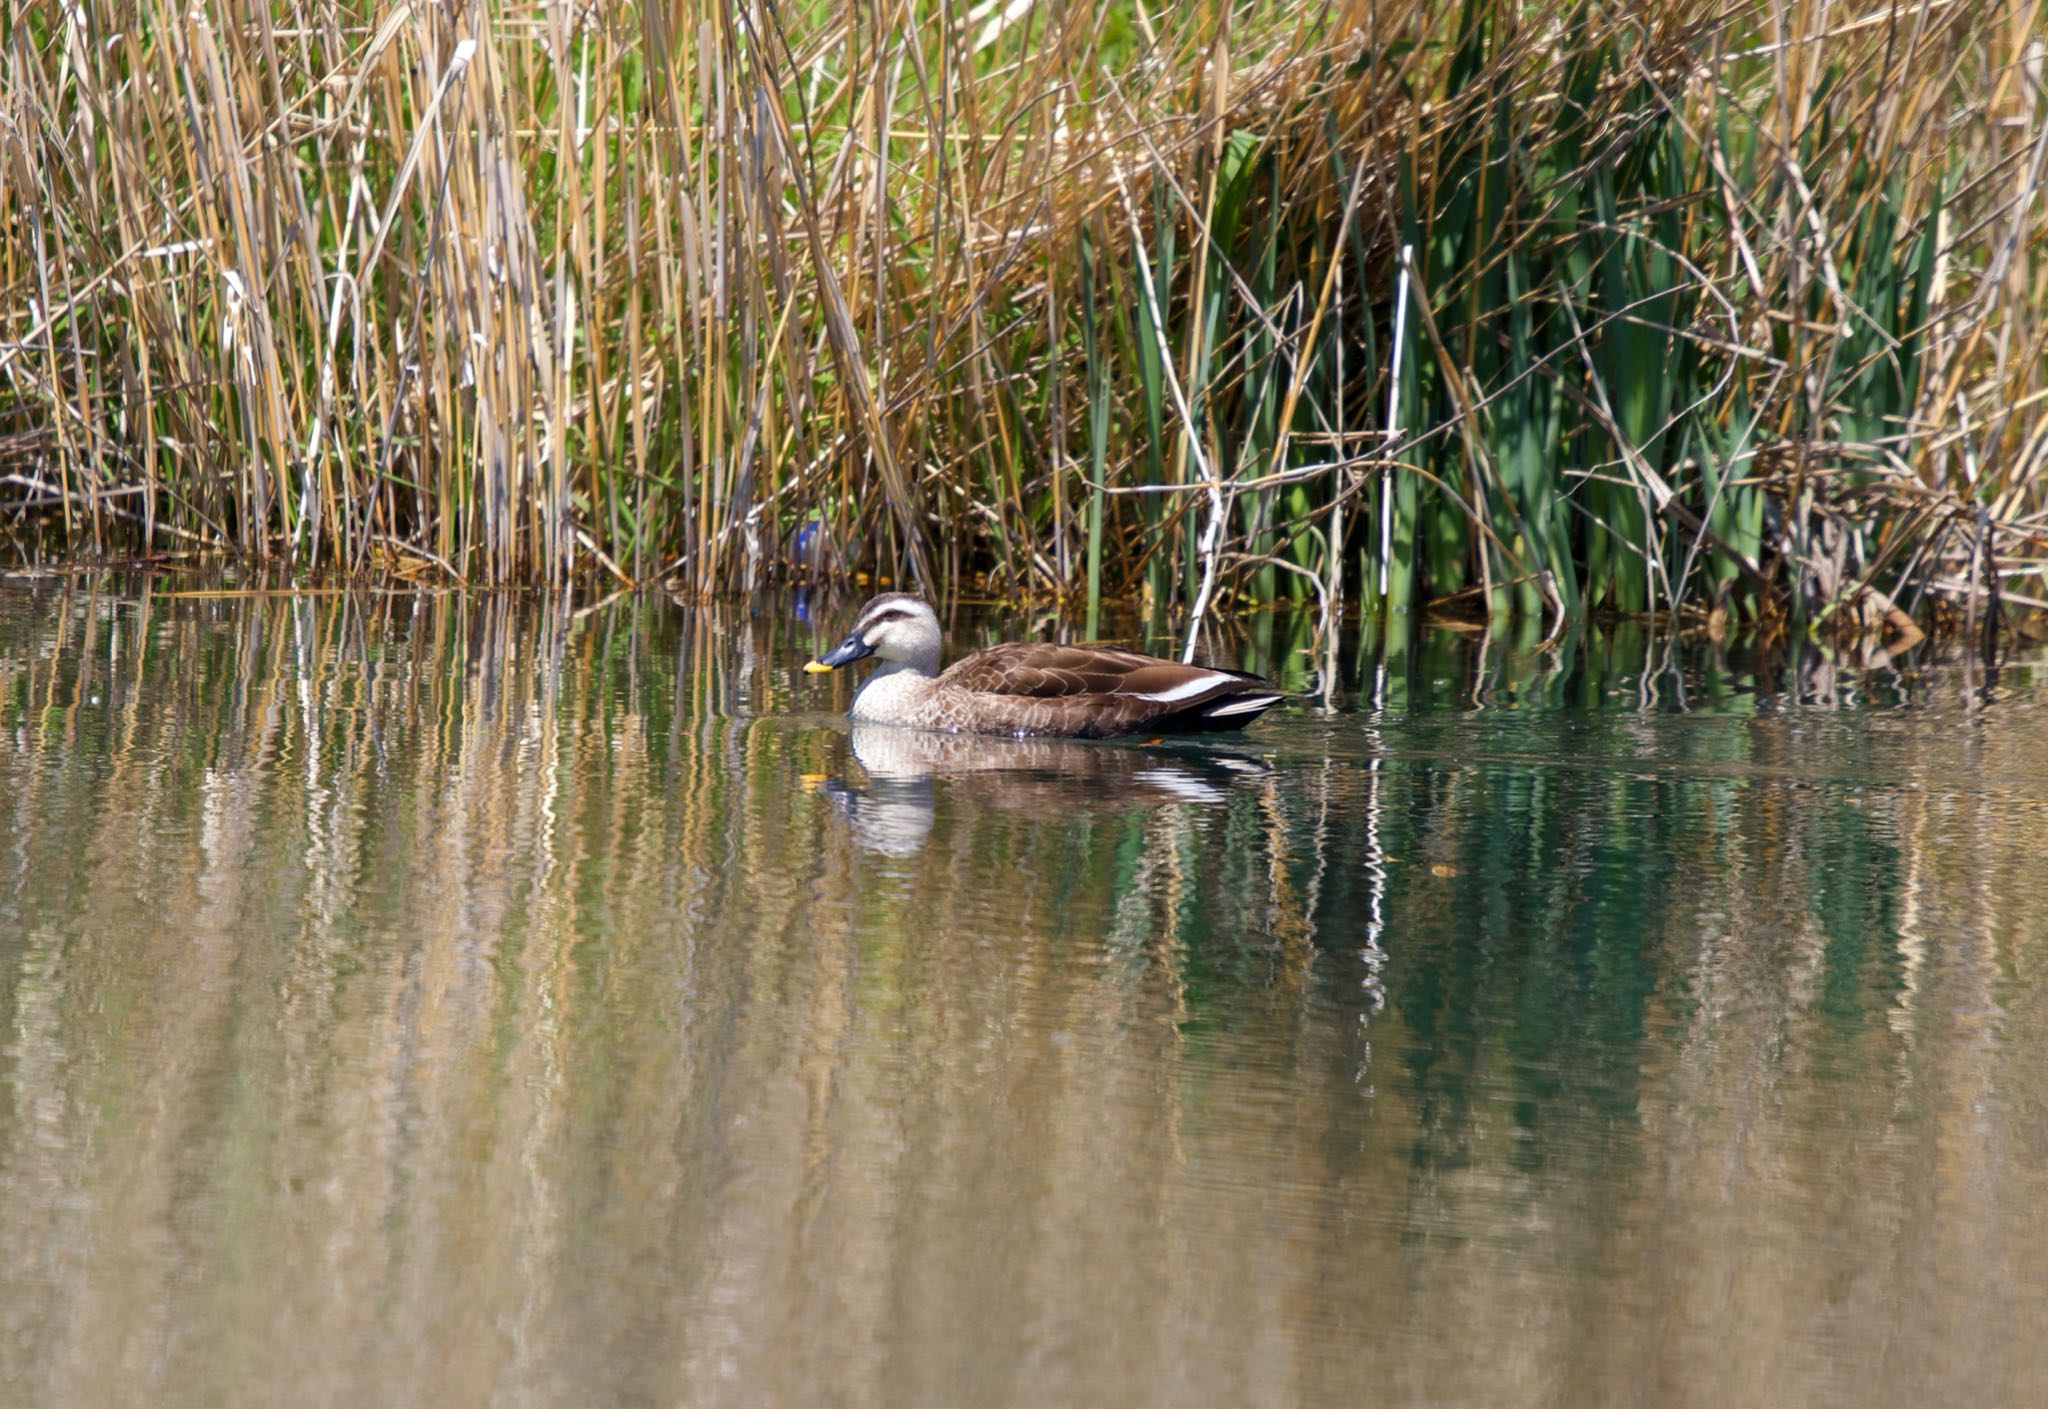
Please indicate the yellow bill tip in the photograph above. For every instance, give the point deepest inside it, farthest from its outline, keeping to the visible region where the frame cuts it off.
(816, 667)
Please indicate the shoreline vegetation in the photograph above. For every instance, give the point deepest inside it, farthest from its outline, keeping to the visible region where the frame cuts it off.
(1538, 311)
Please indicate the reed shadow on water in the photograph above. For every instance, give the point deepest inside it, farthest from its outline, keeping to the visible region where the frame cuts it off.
(474, 997)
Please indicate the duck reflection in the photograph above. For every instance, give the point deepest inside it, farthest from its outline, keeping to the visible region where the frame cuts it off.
(891, 810)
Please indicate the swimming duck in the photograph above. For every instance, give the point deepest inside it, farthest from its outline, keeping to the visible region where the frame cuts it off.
(1076, 692)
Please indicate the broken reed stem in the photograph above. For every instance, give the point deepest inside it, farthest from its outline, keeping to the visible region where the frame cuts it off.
(1391, 435)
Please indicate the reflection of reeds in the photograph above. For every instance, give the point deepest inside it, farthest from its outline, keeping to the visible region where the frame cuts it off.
(1738, 311)
(409, 995)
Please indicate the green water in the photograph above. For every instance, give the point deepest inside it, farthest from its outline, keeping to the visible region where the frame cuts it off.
(414, 1000)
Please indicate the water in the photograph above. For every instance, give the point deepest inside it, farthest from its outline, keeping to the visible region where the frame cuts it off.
(443, 1000)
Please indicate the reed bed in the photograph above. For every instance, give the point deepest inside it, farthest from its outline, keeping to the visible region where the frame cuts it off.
(1542, 310)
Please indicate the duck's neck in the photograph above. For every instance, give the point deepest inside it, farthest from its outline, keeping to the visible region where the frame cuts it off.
(893, 687)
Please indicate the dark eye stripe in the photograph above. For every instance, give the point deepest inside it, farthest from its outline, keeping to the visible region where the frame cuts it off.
(893, 614)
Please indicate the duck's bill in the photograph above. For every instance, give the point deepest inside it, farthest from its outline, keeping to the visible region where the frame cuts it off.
(816, 667)
(845, 653)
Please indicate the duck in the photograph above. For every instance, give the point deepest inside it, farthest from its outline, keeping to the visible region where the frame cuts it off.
(1028, 689)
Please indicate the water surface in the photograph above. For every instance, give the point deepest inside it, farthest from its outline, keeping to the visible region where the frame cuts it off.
(467, 1000)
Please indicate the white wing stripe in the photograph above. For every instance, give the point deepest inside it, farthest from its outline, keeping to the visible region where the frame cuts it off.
(1185, 690)
(1243, 704)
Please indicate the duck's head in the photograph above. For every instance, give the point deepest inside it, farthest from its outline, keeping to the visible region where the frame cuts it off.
(895, 626)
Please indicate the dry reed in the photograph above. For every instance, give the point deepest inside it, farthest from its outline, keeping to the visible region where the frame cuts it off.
(1726, 311)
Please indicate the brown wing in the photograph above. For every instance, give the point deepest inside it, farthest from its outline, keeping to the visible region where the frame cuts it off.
(1094, 691)
(1042, 672)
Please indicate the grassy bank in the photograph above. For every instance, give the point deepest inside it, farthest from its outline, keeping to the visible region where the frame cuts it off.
(1550, 309)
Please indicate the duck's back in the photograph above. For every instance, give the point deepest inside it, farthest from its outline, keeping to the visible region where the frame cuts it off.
(1093, 692)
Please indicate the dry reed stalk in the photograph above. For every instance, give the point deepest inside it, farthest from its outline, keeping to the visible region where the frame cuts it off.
(1718, 308)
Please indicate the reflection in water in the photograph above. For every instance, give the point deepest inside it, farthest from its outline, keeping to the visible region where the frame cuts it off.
(449, 1000)
(896, 809)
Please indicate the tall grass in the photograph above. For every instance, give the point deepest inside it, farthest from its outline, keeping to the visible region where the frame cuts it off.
(1736, 312)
